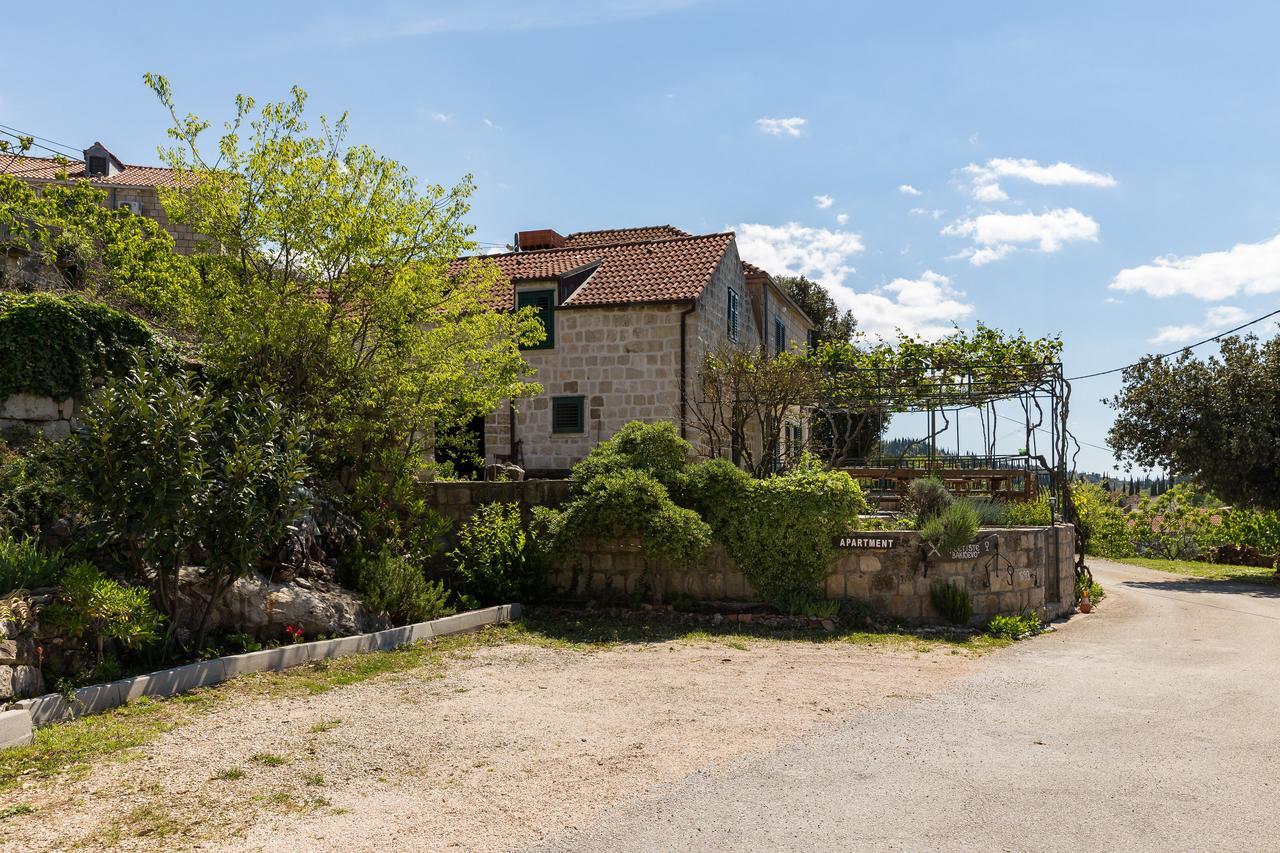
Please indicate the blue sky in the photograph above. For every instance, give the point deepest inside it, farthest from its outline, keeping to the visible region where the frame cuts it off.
(1107, 171)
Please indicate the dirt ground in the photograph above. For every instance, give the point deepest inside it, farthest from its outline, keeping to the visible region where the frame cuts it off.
(513, 744)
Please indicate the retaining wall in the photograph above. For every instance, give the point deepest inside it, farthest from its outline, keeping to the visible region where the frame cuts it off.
(458, 501)
(1016, 570)
(55, 418)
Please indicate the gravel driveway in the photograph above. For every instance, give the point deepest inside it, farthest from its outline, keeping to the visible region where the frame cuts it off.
(1148, 726)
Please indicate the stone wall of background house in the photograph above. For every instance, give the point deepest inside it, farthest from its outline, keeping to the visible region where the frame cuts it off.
(459, 501)
(28, 412)
(1019, 578)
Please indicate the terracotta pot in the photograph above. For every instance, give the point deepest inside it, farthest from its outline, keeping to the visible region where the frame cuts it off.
(1086, 606)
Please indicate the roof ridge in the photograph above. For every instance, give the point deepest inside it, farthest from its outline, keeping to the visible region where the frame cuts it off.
(598, 247)
(16, 156)
(628, 228)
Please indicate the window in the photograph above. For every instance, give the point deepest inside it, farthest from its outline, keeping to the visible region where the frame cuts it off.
(566, 415)
(733, 314)
(97, 165)
(779, 336)
(545, 303)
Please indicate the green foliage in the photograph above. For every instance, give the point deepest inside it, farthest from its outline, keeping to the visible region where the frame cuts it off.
(815, 301)
(654, 448)
(393, 585)
(810, 606)
(1087, 586)
(327, 281)
(1101, 522)
(53, 345)
(630, 502)
(991, 513)
(1012, 627)
(1215, 420)
(495, 556)
(952, 602)
(955, 527)
(926, 498)
(161, 466)
(24, 566)
(1029, 513)
(34, 484)
(113, 255)
(778, 530)
(97, 609)
(1252, 527)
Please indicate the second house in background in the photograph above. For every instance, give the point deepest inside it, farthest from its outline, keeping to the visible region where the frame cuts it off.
(630, 315)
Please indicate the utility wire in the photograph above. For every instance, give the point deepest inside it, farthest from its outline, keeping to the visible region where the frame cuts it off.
(20, 138)
(42, 139)
(1179, 349)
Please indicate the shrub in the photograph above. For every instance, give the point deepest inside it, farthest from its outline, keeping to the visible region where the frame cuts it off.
(96, 609)
(926, 498)
(25, 566)
(631, 502)
(1012, 627)
(778, 530)
(162, 466)
(654, 448)
(952, 602)
(1029, 513)
(810, 606)
(955, 527)
(990, 513)
(1087, 585)
(35, 488)
(495, 556)
(393, 585)
(1102, 524)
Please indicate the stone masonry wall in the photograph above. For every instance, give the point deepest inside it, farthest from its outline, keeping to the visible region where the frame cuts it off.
(893, 581)
(459, 501)
(23, 412)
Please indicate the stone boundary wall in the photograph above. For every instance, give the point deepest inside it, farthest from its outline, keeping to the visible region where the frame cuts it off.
(1019, 576)
(17, 722)
(55, 418)
(458, 501)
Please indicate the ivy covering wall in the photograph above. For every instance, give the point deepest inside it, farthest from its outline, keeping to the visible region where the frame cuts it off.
(53, 345)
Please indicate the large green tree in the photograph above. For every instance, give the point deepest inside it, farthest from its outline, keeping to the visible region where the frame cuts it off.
(831, 323)
(325, 280)
(1215, 420)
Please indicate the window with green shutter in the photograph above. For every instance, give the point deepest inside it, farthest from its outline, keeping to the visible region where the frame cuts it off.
(544, 301)
(567, 415)
(733, 314)
(779, 336)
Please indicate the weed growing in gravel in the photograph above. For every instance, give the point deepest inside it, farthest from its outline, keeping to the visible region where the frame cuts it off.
(314, 779)
(325, 726)
(230, 774)
(267, 759)
(15, 810)
(1008, 627)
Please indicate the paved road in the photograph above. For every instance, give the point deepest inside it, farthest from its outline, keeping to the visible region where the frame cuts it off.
(1153, 724)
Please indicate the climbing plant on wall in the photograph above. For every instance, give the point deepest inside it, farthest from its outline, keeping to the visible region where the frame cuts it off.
(54, 345)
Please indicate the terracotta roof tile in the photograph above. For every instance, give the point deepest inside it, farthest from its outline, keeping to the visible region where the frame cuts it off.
(614, 236)
(662, 270)
(48, 168)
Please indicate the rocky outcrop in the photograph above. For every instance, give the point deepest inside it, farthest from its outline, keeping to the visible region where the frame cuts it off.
(262, 607)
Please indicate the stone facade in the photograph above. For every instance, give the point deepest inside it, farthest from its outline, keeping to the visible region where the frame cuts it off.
(458, 501)
(185, 241)
(29, 413)
(1033, 569)
(625, 363)
(19, 664)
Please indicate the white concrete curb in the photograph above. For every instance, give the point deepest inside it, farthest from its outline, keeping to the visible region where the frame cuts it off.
(17, 723)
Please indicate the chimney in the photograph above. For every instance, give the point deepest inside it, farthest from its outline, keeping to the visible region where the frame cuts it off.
(544, 238)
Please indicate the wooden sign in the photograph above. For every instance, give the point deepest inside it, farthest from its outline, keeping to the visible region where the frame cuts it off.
(866, 542)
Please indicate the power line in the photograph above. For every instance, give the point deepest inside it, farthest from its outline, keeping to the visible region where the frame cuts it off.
(22, 138)
(1179, 349)
(42, 139)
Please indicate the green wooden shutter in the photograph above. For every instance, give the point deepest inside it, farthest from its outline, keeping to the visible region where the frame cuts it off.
(567, 414)
(545, 303)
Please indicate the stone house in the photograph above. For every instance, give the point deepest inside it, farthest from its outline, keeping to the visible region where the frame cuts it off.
(630, 314)
(132, 187)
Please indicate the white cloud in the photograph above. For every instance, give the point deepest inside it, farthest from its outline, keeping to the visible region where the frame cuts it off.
(1244, 268)
(986, 178)
(1216, 319)
(1111, 300)
(781, 126)
(842, 219)
(996, 235)
(442, 118)
(926, 306)
(823, 201)
(490, 123)
(794, 249)
(935, 213)
(907, 189)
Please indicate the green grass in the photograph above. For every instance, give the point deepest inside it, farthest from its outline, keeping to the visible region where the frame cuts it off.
(15, 810)
(1208, 571)
(325, 726)
(266, 759)
(230, 774)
